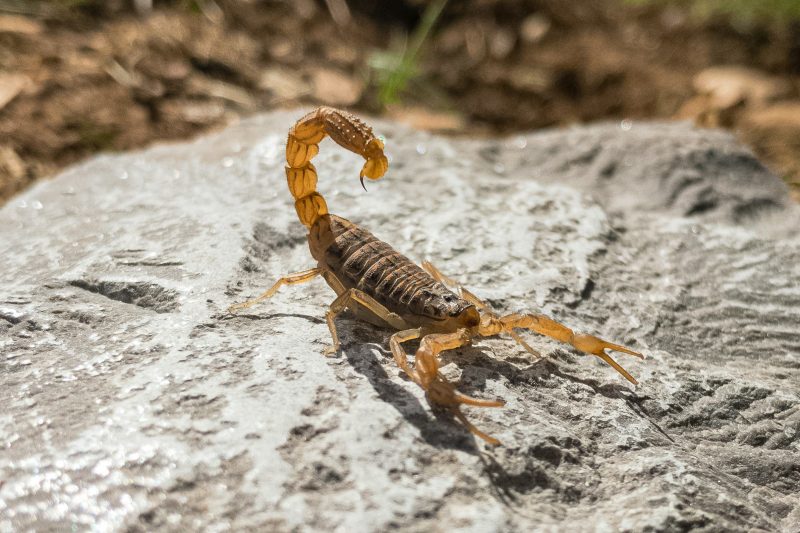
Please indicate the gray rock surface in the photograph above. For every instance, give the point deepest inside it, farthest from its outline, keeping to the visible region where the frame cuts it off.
(132, 401)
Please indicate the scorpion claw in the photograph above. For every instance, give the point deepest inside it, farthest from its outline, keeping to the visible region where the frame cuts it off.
(618, 348)
(471, 427)
(441, 392)
(477, 402)
(595, 346)
(616, 366)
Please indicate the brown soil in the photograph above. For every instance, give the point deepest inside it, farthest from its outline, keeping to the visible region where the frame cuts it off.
(78, 82)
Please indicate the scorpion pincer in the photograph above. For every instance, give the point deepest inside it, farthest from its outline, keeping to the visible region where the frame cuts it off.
(385, 288)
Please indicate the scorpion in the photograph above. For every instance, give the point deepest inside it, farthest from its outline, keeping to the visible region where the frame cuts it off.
(385, 288)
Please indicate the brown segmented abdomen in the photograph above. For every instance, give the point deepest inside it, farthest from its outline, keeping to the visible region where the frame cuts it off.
(362, 261)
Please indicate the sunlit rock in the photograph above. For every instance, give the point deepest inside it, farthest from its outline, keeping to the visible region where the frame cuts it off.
(133, 401)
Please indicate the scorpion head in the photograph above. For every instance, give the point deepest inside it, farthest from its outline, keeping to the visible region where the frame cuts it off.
(446, 306)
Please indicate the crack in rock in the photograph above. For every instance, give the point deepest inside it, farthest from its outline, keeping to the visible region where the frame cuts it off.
(139, 293)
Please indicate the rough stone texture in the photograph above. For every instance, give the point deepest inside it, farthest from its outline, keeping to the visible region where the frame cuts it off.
(132, 401)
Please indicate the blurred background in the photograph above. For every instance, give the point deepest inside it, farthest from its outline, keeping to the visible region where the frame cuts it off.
(82, 76)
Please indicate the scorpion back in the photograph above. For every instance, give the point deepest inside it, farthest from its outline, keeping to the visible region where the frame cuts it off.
(363, 262)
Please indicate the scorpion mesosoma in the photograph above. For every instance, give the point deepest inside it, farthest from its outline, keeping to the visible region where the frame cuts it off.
(385, 288)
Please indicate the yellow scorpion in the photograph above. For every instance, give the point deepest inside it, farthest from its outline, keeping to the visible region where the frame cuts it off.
(385, 288)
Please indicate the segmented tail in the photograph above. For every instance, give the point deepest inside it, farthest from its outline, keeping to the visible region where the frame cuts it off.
(303, 144)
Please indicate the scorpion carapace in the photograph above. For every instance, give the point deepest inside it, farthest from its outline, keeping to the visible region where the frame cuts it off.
(386, 288)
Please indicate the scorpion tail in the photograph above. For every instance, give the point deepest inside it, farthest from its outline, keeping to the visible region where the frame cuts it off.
(303, 144)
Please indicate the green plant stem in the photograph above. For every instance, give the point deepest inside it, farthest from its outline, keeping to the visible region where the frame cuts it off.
(399, 77)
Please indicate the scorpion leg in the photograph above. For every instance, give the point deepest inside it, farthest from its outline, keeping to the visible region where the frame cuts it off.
(291, 279)
(400, 356)
(474, 300)
(588, 344)
(426, 373)
(363, 301)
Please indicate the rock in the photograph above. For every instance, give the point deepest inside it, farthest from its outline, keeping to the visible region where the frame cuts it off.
(339, 11)
(11, 164)
(13, 171)
(10, 86)
(530, 78)
(501, 42)
(780, 115)
(775, 132)
(423, 118)
(20, 25)
(193, 111)
(335, 88)
(534, 28)
(133, 401)
(283, 84)
(665, 168)
(722, 93)
(727, 86)
(203, 86)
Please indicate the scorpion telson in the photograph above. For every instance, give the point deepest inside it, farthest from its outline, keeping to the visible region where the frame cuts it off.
(385, 288)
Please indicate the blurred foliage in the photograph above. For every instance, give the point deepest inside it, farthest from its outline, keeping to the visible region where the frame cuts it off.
(58, 9)
(46, 7)
(96, 137)
(395, 68)
(745, 12)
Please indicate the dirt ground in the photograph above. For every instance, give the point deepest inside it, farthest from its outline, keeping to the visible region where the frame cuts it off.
(104, 76)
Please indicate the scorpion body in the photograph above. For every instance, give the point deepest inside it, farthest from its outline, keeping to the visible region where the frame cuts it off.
(373, 267)
(385, 288)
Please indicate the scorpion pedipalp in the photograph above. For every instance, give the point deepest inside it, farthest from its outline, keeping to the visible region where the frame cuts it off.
(544, 325)
(425, 373)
